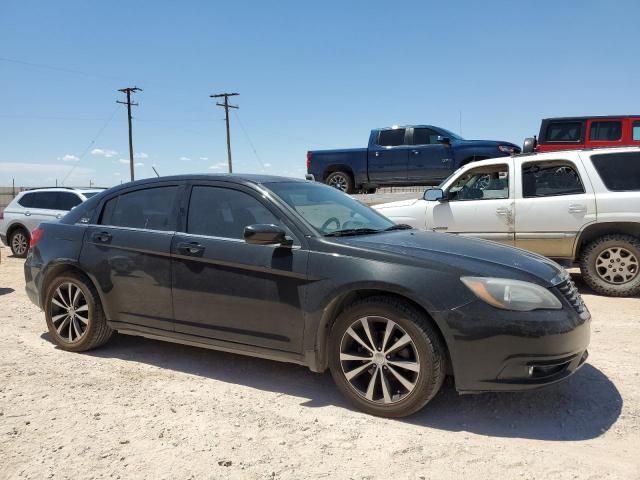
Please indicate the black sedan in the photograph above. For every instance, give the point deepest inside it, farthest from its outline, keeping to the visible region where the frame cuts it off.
(300, 272)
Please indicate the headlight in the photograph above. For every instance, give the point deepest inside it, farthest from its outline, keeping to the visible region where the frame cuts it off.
(507, 149)
(511, 294)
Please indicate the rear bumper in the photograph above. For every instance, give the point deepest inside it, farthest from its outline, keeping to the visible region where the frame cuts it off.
(33, 280)
(499, 350)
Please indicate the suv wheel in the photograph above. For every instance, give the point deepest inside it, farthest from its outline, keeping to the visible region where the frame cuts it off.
(19, 242)
(74, 314)
(386, 357)
(340, 180)
(610, 265)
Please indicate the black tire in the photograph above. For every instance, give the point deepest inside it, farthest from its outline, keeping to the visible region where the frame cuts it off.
(594, 271)
(96, 332)
(429, 349)
(340, 180)
(19, 242)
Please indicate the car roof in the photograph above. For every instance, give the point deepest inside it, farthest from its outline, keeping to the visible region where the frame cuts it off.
(557, 154)
(63, 189)
(587, 117)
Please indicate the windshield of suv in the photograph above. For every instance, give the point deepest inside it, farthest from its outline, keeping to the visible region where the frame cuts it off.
(329, 211)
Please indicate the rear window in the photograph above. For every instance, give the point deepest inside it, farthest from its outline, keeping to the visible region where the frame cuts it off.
(605, 131)
(151, 209)
(391, 138)
(564, 132)
(620, 172)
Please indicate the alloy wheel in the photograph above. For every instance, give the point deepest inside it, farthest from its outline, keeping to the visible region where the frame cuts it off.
(19, 243)
(69, 312)
(339, 181)
(379, 360)
(617, 265)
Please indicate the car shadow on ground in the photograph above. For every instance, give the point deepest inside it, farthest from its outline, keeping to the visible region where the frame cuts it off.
(580, 408)
(6, 291)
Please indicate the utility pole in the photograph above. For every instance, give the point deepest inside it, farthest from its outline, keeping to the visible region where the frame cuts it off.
(128, 91)
(226, 112)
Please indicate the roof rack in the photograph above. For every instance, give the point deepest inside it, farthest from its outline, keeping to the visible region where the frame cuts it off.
(64, 188)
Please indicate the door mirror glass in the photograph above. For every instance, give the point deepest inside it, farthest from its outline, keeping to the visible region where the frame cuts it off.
(265, 234)
(434, 194)
(445, 140)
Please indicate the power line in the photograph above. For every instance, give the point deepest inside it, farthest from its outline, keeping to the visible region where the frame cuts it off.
(226, 113)
(128, 91)
(249, 140)
(57, 69)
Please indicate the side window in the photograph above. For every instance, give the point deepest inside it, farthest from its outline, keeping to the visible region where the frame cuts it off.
(391, 138)
(44, 200)
(151, 208)
(619, 171)
(482, 183)
(549, 179)
(636, 131)
(66, 201)
(605, 131)
(564, 132)
(424, 136)
(27, 200)
(223, 212)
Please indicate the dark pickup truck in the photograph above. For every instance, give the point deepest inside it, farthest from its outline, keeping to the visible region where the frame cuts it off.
(413, 155)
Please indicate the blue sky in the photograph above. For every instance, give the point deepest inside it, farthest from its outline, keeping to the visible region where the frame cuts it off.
(311, 75)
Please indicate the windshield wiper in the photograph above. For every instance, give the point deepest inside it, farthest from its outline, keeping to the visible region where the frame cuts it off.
(352, 231)
(400, 226)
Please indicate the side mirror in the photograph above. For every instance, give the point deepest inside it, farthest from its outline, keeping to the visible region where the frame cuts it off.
(444, 140)
(265, 234)
(434, 195)
(529, 145)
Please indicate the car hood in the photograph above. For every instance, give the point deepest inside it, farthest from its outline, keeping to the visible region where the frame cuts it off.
(399, 203)
(488, 143)
(462, 255)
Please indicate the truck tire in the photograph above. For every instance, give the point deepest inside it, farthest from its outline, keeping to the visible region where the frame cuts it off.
(610, 265)
(340, 180)
(386, 357)
(19, 242)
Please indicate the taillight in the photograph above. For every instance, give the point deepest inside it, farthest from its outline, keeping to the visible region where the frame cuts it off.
(36, 235)
(309, 162)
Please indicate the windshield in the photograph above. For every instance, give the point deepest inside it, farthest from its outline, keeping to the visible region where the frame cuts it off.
(450, 134)
(328, 210)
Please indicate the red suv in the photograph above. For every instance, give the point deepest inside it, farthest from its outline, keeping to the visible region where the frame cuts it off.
(570, 133)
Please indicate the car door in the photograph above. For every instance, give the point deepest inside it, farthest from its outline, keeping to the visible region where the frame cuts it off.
(227, 290)
(128, 248)
(478, 202)
(387, 156)
(429, 161)
(554, 201)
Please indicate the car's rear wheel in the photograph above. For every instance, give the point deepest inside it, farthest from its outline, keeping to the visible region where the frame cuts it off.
(610, 265)
(74, 314)
(386, 357)
(340, 180)
(19, 242)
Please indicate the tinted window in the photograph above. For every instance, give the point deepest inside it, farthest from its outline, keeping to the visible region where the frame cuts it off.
(564, 132)
(424, 136)
(43, 200)
(548, 179)
(619, 171)
(482, 183)
(605, 131)
(636, 131)
(66, 201)
(391, 138)
(222, 212)
(27, 200)
(151, 208)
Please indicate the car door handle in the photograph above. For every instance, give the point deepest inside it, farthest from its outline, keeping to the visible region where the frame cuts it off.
(58, 215)
(102, 237)
(415, 152)
(377, 154)
(27, 214)
(503, 211)
(576, 208)
(192, 248)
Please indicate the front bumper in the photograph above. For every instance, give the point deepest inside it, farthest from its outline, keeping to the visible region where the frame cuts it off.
(500, 350)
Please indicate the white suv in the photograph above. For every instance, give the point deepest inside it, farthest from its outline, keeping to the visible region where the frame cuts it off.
(32, 207)
(579, 206)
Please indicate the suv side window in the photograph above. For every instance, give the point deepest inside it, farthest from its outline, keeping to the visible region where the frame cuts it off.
(564, 132)
(27, 200)
(424, 136)
(636, 131)
(549, 179)
(619, 171)
(605, 131)
(66, 201)
(482, 183)
(391, 138)
(223, 212)
(44, 200)
(150, 208)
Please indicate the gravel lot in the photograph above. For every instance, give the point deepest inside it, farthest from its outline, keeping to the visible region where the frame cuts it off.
(139, 408)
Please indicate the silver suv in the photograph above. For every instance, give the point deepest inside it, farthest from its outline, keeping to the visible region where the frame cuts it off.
(32, 207)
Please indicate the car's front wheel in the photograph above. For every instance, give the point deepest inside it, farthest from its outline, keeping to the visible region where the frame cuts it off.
(19, 242)
(74, 314)
(386, 357)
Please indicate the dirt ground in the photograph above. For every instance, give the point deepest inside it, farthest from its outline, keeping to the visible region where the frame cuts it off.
(140, 408)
